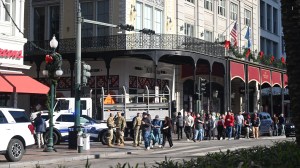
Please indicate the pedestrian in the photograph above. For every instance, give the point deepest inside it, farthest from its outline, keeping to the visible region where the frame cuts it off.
(275, 124)
(110, 124)
(146, 130)
(179, 124)
(247, 124)
(157, 125)
(281, 122)
(255, 125)
(210, 124)
(221, 127)
(239, 125)
(198, 128)
(167, 132)
(120, 127)
(137, 138)
(40, 128)
(188, 124)
(229, 123)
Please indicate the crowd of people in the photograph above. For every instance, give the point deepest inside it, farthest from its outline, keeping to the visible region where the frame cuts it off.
(196, 127)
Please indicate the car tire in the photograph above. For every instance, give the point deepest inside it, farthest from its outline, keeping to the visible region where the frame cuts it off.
(103, 138)
(15, 150)
(55, 138)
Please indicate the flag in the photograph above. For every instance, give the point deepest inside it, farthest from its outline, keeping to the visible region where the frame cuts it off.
(248, 36)
(233, 34)
(248, 52)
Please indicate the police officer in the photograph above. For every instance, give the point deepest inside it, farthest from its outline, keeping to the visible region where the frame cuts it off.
(137, 130)
(110, 125)
(120, 127)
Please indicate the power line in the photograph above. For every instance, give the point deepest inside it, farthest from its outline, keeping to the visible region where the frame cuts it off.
(34, 45)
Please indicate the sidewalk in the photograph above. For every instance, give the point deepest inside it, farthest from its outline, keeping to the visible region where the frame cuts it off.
(35, 156)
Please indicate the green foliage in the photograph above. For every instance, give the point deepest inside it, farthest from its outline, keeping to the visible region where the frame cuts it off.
(281, 154)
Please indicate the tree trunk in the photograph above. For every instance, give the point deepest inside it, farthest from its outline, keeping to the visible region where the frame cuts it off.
(291, 28)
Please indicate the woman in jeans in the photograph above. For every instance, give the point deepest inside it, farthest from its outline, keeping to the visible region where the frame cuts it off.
(167, 132)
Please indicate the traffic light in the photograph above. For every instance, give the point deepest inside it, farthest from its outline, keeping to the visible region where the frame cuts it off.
(202, 84)
(85, 73)
(126, 27)
(147, 31)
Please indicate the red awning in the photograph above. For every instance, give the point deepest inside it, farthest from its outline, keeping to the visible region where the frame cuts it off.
(21, 84)
(276, 78)
(265, 76)
(237, 70)
(285, 80)
(253, 74)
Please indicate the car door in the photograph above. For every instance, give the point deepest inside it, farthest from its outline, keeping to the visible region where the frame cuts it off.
(5, 132)
(63, 122)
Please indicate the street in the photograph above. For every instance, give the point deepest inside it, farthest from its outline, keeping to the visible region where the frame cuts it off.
(182, 150)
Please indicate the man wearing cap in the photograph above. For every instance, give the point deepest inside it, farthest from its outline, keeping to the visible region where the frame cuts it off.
(120, 125)
(156, 124)
(146, 129)
(137, 130)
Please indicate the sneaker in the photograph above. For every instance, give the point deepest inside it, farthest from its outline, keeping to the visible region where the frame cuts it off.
(148, 148)
(171, 146)
(194, 140)
(188, 139)
(160, 146)
(151, 146)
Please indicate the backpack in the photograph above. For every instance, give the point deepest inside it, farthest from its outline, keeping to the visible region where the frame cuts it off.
(179, 121)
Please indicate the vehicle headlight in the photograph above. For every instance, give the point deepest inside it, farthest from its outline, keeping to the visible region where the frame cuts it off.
(292, 126)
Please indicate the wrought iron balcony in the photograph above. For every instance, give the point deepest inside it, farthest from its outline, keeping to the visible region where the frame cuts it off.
(131, 42)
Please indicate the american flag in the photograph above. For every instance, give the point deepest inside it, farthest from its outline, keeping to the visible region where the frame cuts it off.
(233, 34)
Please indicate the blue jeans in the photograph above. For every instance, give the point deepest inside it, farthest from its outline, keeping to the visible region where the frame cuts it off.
(157, 137)
(147, 138)
(229, 131)
(238, 130)
(198, 134)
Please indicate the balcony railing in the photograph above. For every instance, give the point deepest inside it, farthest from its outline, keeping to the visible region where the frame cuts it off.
(131, 42)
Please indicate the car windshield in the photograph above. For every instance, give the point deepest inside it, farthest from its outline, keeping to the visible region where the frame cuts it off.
(62, 104)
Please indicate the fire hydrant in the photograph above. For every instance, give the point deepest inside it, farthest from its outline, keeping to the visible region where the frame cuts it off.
(79, 142)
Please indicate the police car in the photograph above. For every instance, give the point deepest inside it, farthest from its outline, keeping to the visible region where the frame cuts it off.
(63, 120)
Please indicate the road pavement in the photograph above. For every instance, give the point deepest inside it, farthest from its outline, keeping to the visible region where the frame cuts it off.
(103, 156)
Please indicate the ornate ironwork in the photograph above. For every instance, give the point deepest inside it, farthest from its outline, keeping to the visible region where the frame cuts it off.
(132, 42)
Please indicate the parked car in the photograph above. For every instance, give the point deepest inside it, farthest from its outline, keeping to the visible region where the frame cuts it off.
(16, 132)
(290, 129)
(63, 120)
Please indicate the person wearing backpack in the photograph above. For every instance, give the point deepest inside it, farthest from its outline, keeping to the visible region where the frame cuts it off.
(179, 125)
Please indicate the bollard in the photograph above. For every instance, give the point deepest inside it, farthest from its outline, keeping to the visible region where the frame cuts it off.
(79, 142)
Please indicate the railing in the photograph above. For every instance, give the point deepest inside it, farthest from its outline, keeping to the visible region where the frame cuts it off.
(131, 42)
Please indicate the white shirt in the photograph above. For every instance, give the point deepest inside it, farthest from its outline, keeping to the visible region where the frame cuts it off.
(189, 121)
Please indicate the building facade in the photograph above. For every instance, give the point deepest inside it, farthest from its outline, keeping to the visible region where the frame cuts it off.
(14, 85)
(188, 44)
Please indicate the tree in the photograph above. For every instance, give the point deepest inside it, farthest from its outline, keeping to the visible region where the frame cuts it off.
(291, 26)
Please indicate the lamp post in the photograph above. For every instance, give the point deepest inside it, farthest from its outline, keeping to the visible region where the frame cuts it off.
(52, 71)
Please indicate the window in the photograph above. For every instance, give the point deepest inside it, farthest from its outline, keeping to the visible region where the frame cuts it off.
(221, 8)
(83, 104)
(247, 17)
(54, 22)
(208, 36)
(148, 17)
(191, 1)
(139, 16)
(62, 105)
(233, 11)
(87, 13)
(4, 16)
(275, 21)
(262, 15)
(2, 118)
(208, 5)
(66, 118)
(269, 16)
(188, 30)
(275, 49)
(39, 24)
(103, 16)
(19, 116)
(158, 21)
(221, 38)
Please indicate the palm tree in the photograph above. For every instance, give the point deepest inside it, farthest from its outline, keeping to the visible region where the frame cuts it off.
(291, 28)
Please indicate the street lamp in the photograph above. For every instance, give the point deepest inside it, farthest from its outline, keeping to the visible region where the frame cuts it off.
(52, 71)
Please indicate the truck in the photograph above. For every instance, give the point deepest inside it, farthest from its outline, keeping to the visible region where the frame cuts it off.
(157, 103)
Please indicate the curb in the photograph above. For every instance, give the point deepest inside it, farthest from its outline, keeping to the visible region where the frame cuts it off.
(62, 159)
